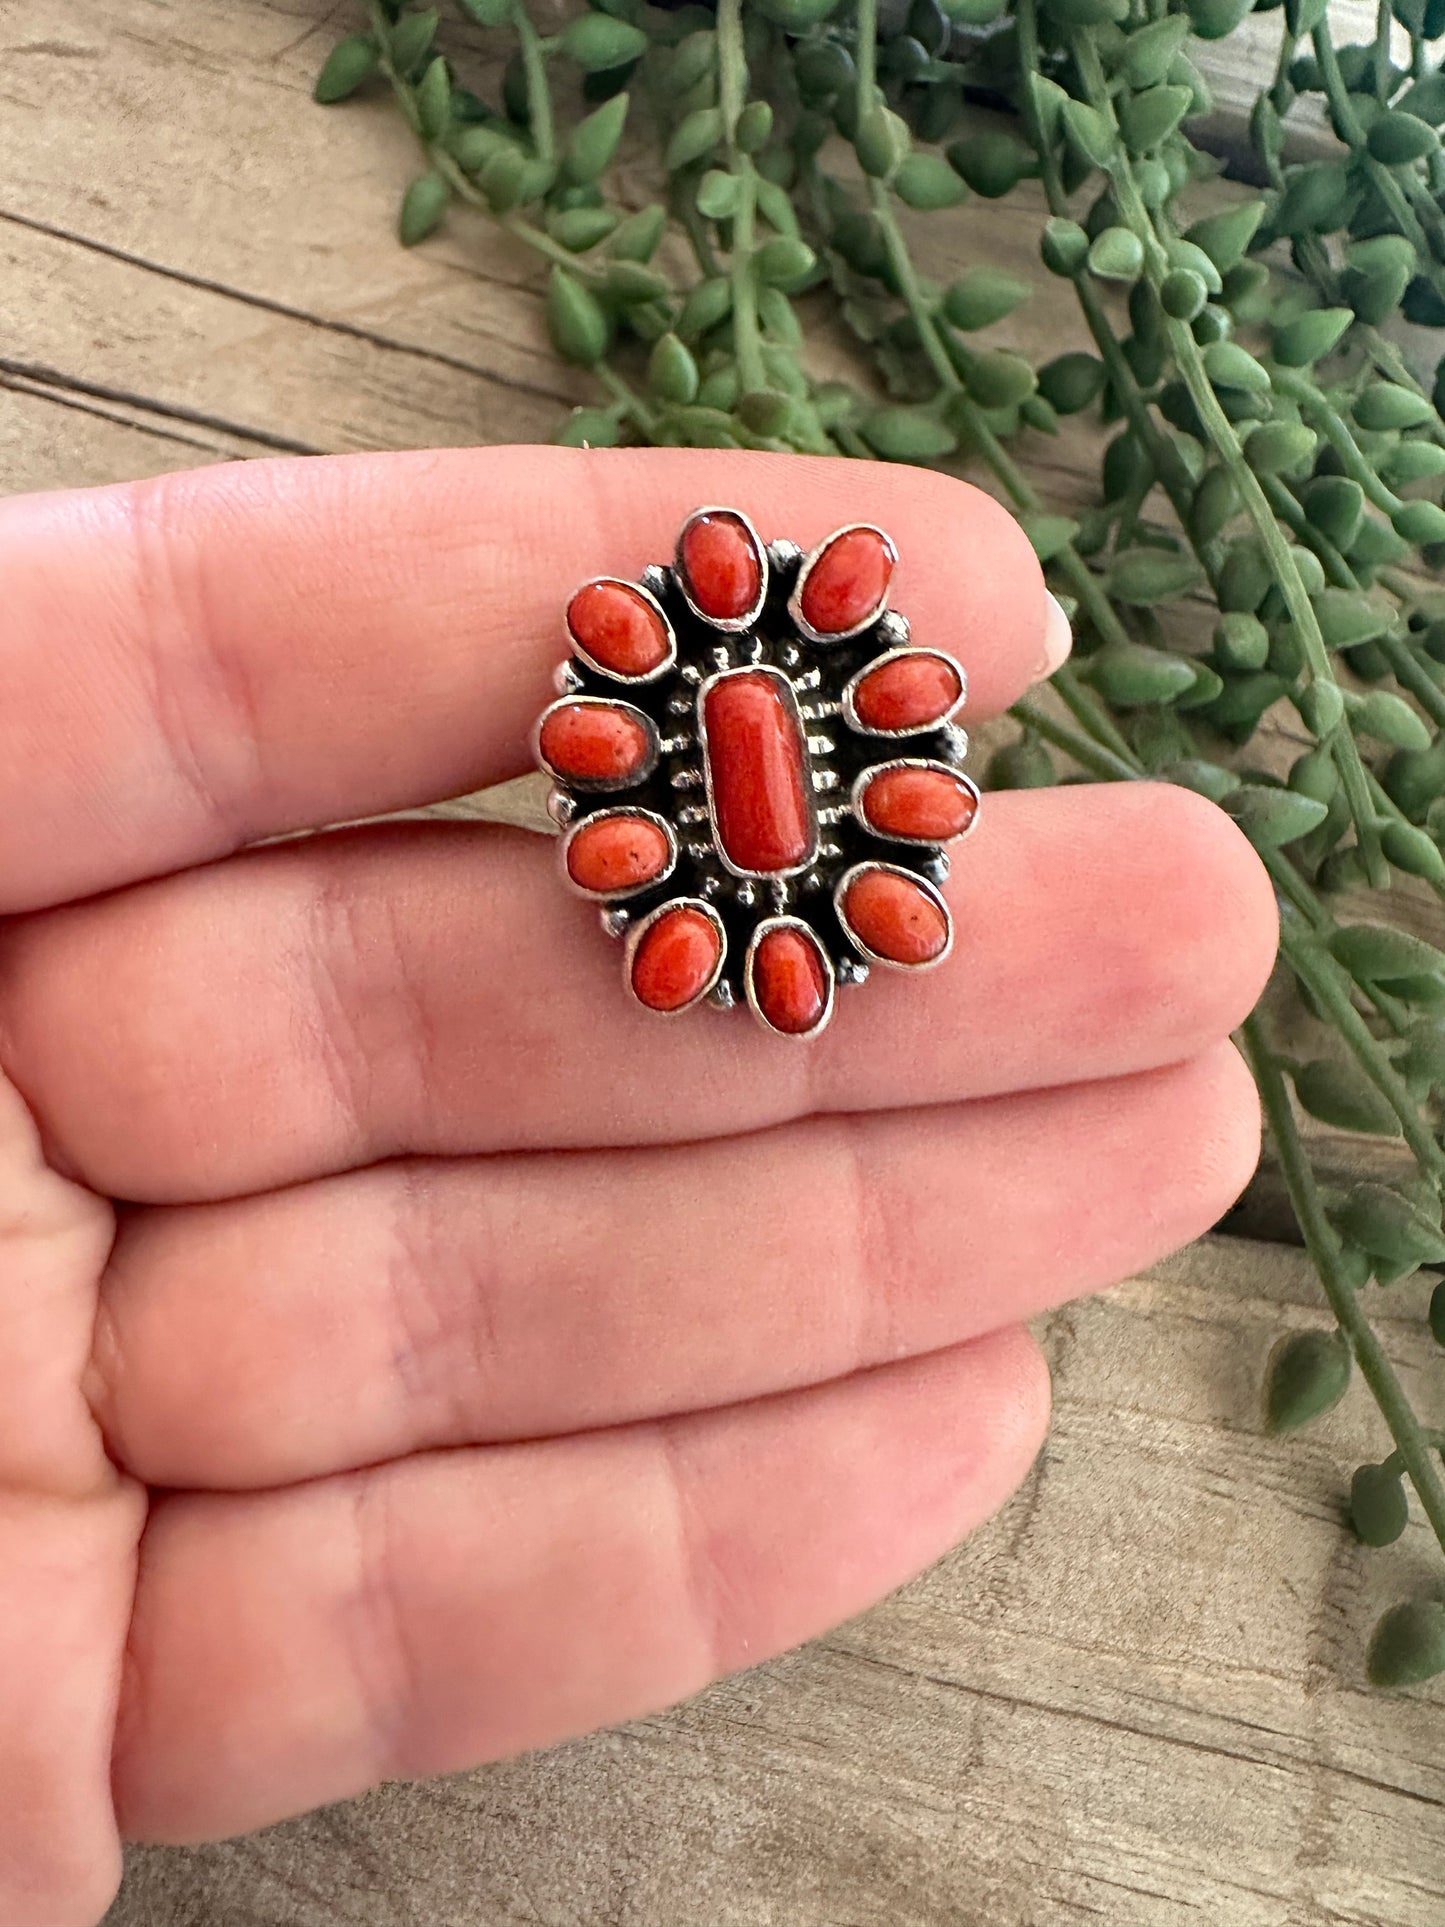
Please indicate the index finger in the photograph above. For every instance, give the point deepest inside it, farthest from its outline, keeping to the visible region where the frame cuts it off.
(195, 662)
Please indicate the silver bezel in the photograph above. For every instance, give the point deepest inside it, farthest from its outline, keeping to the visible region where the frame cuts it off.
(617, 675)
(840, 891)
(593, 785)
(729, 625)
(829, 974)
(871, 771)
(580, 823)
(809, 793)
(811, 560)
(850, 713)
(639, 930)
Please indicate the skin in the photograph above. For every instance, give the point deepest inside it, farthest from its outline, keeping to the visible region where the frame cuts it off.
(410, 1351)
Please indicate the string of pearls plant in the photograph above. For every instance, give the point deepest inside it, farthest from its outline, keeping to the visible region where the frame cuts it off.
(1274, 454)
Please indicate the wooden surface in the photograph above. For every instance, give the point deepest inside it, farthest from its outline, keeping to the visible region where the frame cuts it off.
(1138, 1696)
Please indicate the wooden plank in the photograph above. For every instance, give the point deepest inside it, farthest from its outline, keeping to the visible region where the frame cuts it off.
(1136, 1696)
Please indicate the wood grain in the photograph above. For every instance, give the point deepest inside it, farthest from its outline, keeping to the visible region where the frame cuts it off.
(1137, 1697)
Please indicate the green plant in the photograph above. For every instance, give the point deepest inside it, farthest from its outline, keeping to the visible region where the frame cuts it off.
(1275, 461)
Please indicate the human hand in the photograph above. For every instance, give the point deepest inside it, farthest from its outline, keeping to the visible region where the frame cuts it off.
(472, 1359)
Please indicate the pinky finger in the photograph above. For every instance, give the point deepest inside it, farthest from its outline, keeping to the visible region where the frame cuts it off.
(457, 1607)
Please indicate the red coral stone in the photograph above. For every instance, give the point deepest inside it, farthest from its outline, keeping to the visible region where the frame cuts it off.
(758, 772)
(790, 983)
(723, 568)
(894, 916)
(612, 853)
(592, 742)
(930, 805)
(908, 692)
(676, 958)
(848, 584)
(618, 627)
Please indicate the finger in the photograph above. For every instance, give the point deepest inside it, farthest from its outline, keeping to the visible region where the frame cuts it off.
(69, 1524)
(197, 661)
(461, 1606)
(412, 1306)
(327, 1004)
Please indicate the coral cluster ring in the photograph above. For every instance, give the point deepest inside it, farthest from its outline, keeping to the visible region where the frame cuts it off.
(755, 771)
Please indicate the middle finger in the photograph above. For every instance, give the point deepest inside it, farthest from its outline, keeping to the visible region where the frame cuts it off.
(320, 1005)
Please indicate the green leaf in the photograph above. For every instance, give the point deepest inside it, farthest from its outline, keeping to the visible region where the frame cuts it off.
(1322, 708)
(593, 142)
(489, 13)
(434, 100)
(1089, 132)
(1384, 406)
(637, 236)
(1225, 237)
(695, 135)
(1241, 642)
(1213, 19)
(1022, 765)
(907, 435)
(881, 143)
(1437, 1313)
(718, 194)
(999, 379)
(588, 428)
(766, 412)
(1270, 818)
(1309, 337)
(1131, 674)
(1408, 1645)
(575, 319)
(1346, 617)
(1413, 851)
(1383, 714)
(1339, 1093)
(1049, 535)
(1064, 245)
(1149, 576)
(1410, 462)
(1379, 1510)
(1148, 50)
(1420, 522)
(1308, 1373)
(1193, 260)
(784, 262)
(1071, 382)
(1147, 119)
(709, 303)
(1398, 140)
(927, 182)
(992, 164)
(581, 228)
(982, 296)
(1183, 294)
(1280, 448)
(671, 371)
(411, 39)
(1335, 505)
(1205, 779)
(422, 208)
(1230, 366)
(349, 65)
(598, 42)
(1303, 16)
(1378, 953)
(1214, 503)
(755, 127)
(1117, 255)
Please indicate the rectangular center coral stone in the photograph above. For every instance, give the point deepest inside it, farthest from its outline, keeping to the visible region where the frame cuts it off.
(758, 775)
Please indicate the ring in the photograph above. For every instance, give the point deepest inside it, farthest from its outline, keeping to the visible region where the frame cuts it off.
(755, 772)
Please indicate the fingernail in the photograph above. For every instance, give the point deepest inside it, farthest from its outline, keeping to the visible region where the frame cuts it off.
(1058, 638)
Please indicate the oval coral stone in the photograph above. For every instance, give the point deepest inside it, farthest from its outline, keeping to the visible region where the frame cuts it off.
(790, 983)
(675, 961)
(721, 563)
(892, 915)
(600, 743)
(609, 854)
(909, 692)
(930, 805)
(848, 583)
(758, 772)
(618, 628)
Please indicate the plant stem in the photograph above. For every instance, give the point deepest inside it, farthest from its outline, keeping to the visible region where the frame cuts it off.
(539, 94)
(1323, 1246)
(732, 93)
